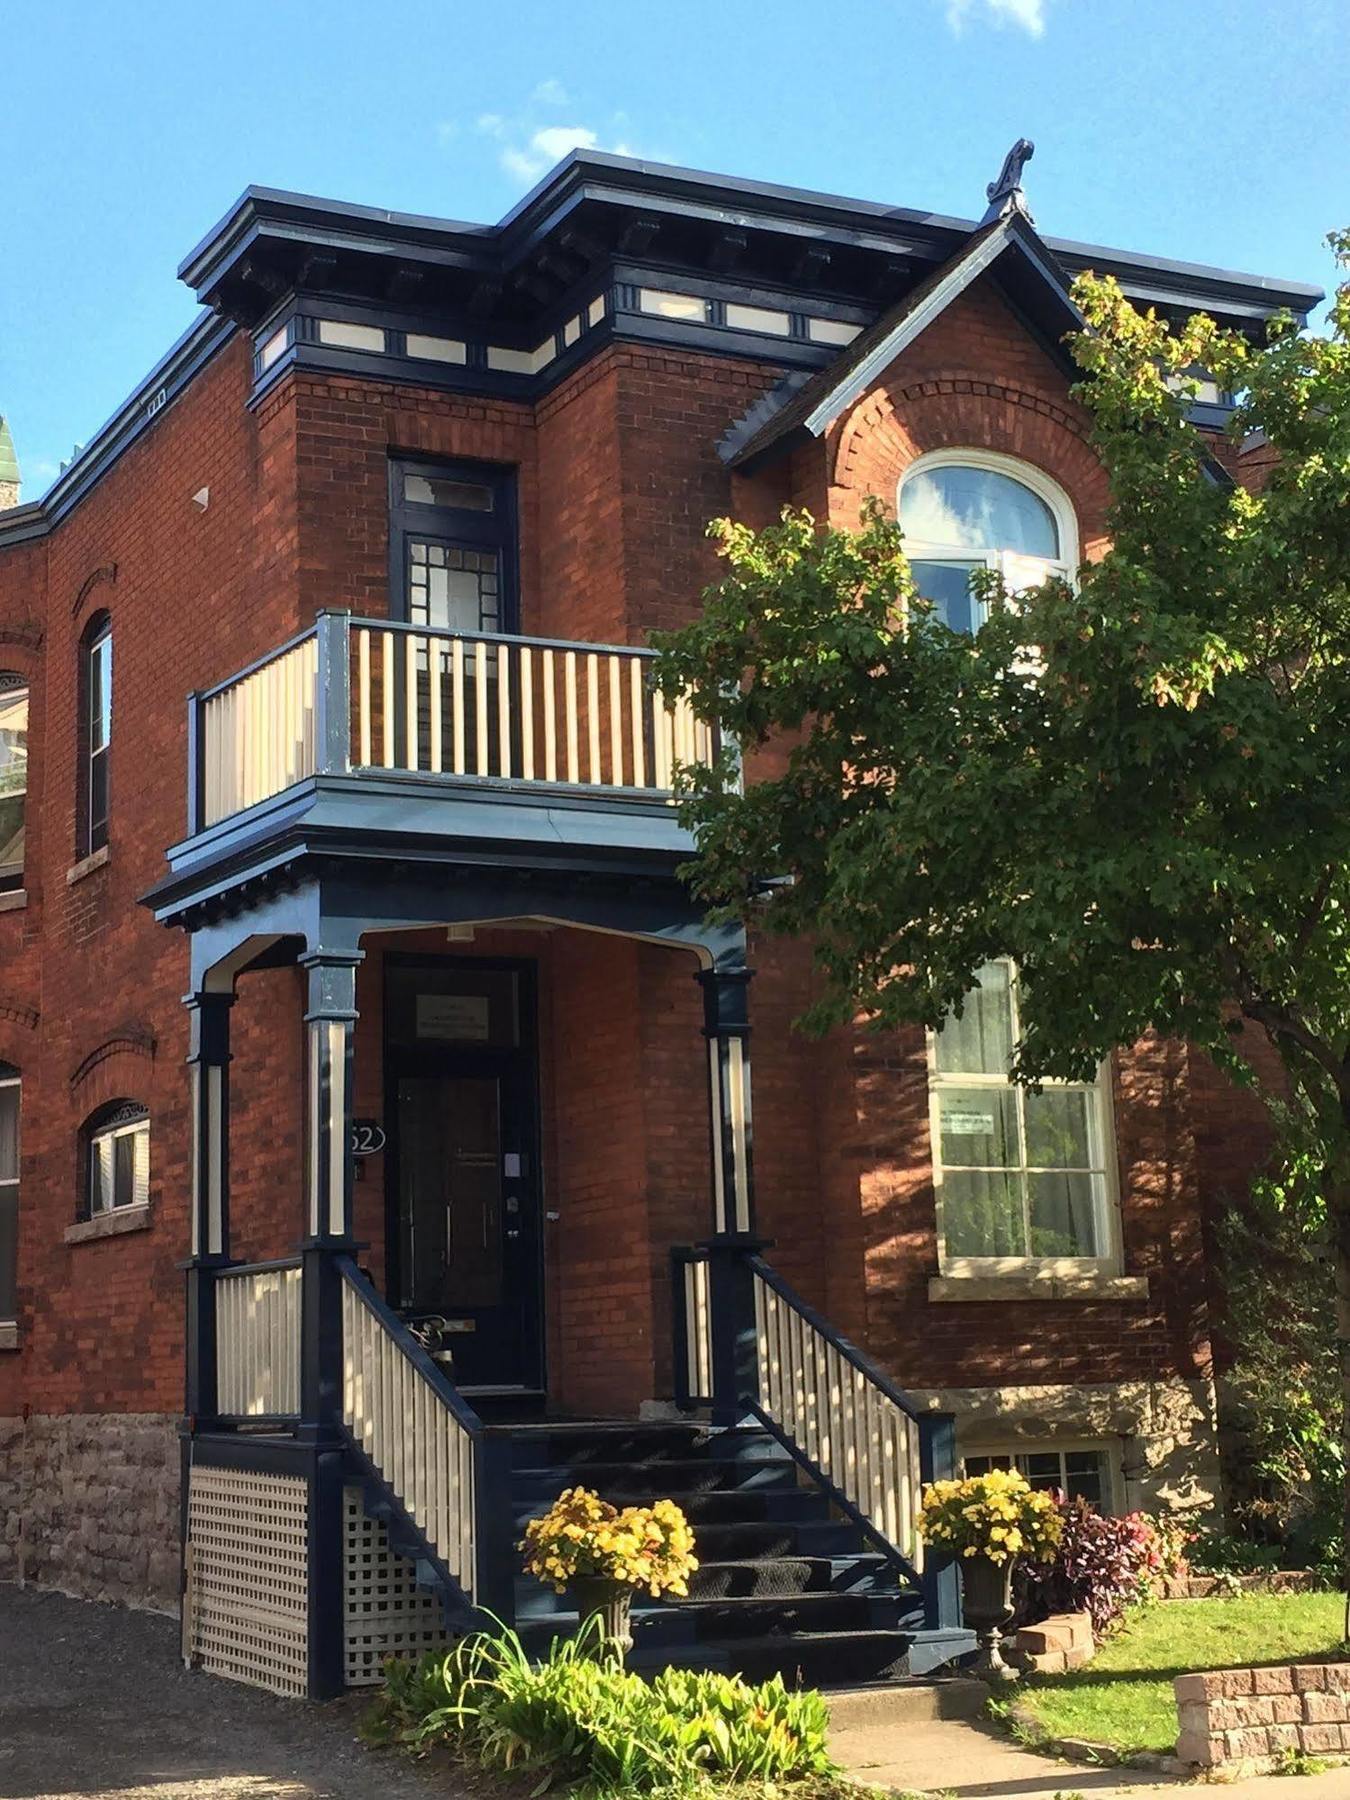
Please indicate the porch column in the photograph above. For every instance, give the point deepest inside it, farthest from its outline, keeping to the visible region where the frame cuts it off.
(726, 1026)
(330, 1022)
(731, 1292)
(208, 1064)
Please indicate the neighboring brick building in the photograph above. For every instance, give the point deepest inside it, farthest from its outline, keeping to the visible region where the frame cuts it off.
(426, 873)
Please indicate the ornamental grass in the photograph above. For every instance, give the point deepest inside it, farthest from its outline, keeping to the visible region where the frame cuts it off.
(580, 1535)
(998, 1515)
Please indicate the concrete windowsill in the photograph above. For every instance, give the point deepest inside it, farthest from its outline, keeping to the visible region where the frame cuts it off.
(109, 1224)
(946, 1288)
(14, 901)
(86, 866)
(9, 1335)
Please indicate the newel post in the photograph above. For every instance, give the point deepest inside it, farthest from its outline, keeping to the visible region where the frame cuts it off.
(731, 1278)
(208, 1065)
(939, 1580)
(333, 699)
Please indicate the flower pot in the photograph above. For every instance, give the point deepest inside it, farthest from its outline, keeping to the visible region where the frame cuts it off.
(986, 1603)
(600, 1596)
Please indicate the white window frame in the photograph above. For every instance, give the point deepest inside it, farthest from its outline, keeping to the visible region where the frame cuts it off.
(1108, 1195)
(110, 1131)
(1012, 565)
(1114, 1499)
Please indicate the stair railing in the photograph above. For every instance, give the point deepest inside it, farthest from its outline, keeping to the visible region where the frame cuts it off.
(858, 1436)
(427, 1446)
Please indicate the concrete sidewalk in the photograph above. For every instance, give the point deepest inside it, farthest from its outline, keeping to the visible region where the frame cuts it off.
(978, 1761)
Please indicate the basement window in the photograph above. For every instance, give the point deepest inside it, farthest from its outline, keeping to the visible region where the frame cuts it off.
(1078, 1471)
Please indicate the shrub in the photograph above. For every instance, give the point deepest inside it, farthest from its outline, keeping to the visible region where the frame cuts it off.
(579, 1718)
(1101, 1566)
(650, 1547)
(998, 1515)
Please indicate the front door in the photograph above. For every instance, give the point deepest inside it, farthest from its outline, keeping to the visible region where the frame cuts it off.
(464, 1251)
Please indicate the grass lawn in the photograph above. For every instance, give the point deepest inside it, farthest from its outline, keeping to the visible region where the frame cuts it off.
(1124, 1697)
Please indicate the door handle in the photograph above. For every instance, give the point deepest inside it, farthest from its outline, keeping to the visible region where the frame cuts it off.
(513, 1233)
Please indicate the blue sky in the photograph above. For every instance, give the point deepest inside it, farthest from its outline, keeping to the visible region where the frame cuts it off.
(1214, 130)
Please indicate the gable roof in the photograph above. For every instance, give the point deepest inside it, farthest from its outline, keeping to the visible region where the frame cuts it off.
(1030, 279)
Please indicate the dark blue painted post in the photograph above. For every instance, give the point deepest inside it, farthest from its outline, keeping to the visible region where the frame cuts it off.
(726, 1027)
(333, 722)
(941, 1584)
(208, 1061)
(330, 1021)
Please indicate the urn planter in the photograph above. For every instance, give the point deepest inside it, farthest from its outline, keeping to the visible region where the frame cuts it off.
(611, 1601)
(986, 1603)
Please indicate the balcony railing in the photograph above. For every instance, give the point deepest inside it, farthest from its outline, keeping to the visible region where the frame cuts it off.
(353, 695)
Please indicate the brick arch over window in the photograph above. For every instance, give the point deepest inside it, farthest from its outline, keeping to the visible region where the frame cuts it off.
(897, 422)
(112, 1068)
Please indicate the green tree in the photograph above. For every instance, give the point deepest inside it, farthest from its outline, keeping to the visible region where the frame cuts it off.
(1136, 786)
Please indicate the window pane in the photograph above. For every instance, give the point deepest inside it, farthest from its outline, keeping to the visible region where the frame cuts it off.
(982, 1213)
(1042, 1469)
(978, 1126)
(98, 800)
(454, 589)
(947, 585)
(140, 1183)
(977, 509)
(1059, 1129)
(1064, 1215)
(101, 1175)
(979, 1041)
(9, 1132)
(13, 780)
(9, 1251)
(124, 1168)
(100, 694)
(434, 490)
(1083, 1476)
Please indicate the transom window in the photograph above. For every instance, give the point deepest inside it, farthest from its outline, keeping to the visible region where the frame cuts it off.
(9, 1192)
(1080, 1472)
(967, 510)
(117, 1171)
(13, 778)
(1022, 1178)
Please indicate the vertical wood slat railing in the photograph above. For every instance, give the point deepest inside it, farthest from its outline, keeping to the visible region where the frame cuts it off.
(518, 709)
(258, 1341)
(847, 1419)
(421, 1438)
(258, 731)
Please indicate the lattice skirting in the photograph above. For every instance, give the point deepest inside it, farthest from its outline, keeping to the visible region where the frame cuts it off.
(246, 1607)
(384, 1612)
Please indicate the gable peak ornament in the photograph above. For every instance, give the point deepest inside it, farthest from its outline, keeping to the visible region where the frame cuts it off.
(1005, 195)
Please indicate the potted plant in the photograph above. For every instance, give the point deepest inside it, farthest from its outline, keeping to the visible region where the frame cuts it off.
(988, 1523)
(600, 1556)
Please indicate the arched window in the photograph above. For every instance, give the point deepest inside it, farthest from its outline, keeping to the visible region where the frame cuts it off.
(962, 510)
(13, 778)
(96, 672)
(9, 1192)
(116, 1159)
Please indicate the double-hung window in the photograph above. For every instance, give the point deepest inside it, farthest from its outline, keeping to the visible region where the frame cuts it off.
(1078, 1471)
(13, 779)
(96, 675)
(1024, 1180)
(117, 1167)
(966, 510)
(9, 1192)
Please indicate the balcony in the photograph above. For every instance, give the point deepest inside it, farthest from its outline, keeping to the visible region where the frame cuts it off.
(438, 743)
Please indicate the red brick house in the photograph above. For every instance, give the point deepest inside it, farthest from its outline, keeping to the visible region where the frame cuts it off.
(343, 957)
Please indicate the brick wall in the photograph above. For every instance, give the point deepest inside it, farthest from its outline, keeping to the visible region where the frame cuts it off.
(1251, 1715)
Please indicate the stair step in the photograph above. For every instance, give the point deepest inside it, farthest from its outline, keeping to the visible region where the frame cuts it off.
(913, 1702)
(789, 1575)
(670, 1480)
(759, 1539)
(811, 1659)
(718, 1507)
(559, 1441)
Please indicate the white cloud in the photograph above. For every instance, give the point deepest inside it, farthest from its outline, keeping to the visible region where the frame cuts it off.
(550, 93)
(1025, 15)
(527, 152)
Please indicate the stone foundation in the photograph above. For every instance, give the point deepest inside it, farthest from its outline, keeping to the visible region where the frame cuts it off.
(89, 1506)
(1166, 1431)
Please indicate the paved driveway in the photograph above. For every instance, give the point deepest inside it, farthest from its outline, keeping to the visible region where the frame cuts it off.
(96, 1705)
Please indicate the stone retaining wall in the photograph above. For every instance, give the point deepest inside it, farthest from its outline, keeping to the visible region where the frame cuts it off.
(89, 1506)
(1251, 1715)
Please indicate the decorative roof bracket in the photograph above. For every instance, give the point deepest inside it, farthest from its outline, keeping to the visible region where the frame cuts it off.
(1005, 195)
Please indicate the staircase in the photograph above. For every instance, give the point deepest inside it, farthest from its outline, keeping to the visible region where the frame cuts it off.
(784, 1586)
